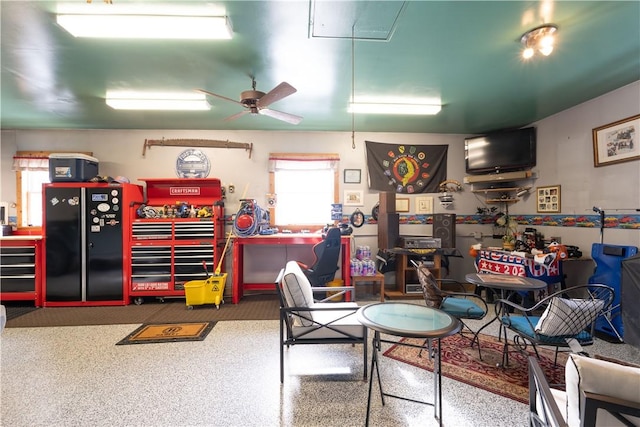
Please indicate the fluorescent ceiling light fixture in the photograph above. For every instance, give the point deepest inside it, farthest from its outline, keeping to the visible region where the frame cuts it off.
(394, 108)
(127, 100)
(400, 105)
(146, 26)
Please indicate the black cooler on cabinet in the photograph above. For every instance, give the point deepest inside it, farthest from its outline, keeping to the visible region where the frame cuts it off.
(72, 167)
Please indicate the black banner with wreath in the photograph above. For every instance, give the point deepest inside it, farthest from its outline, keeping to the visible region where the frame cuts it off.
(406, 168)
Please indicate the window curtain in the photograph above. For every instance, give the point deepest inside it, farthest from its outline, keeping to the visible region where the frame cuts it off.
(30, 163)
(286, 161)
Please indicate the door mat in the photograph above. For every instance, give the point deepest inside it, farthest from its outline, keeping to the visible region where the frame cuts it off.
(168, 332)
(461, 363)
(16, 309)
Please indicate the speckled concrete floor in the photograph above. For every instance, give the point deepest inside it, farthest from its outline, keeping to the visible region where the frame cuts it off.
(72, 376)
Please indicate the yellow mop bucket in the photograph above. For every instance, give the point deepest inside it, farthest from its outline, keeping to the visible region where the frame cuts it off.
(338, 294)
(209, 291)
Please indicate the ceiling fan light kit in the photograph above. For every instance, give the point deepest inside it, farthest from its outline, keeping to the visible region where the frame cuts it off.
(146, 26)
(541, 39)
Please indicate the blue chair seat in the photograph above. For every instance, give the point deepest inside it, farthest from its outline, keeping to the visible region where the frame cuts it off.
(524, 328)
(462, 308)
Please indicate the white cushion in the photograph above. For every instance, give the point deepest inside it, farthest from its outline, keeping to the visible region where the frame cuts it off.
(561, 401)
(3, 317)
(347, 323)
(601, 377)
(560, 398)
(568, 316)
(297, 291)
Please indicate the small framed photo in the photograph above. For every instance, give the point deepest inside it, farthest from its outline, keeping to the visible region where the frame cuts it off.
(352, 176)
(617, 142)
(402, 205)
(424, 205)
(353, 198)
(548, 199)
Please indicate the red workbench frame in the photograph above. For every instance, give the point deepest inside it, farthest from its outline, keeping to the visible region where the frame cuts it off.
(238, 284)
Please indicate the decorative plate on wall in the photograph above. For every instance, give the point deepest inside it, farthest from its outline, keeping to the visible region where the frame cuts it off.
(192, 164)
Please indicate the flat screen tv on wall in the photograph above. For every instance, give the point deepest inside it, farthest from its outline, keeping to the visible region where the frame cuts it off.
(501, 151)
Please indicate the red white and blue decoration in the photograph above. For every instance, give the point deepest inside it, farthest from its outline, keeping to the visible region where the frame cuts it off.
(498, 262)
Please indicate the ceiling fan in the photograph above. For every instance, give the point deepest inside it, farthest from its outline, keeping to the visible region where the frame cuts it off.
(257, 102)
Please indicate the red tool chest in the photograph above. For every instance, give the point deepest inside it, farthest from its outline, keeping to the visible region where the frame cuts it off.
(180, 225)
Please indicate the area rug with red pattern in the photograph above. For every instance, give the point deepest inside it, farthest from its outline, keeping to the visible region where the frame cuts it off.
(462, 363)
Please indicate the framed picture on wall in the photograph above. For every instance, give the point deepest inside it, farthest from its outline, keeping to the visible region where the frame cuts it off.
(617, 142)
(402, 205)
(548, 199)
(353, 198)
(352, 176)
(424, 205)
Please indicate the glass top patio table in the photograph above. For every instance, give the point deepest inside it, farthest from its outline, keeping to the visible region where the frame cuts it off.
(408, 320)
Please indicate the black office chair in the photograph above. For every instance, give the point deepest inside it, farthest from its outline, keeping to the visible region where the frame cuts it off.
(326, 253)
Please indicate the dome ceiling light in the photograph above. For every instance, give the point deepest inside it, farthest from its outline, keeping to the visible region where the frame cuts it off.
(541, 39)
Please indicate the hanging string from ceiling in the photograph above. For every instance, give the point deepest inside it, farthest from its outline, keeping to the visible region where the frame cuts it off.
(353, 119)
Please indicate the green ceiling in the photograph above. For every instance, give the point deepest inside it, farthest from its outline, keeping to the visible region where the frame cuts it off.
(465, 52)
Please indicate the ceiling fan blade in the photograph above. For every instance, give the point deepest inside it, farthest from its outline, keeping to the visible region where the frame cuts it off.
(237, 115)
(218, 96)
(283, 90)
(285, 117)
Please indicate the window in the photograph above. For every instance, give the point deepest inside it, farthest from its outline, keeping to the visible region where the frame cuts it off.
(32, 170)
(30, 199)
(305, 186)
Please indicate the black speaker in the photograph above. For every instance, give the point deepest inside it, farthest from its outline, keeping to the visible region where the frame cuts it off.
(444, 228)
(388, 230)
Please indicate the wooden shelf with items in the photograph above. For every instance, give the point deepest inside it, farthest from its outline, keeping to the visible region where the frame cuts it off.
(407, 284)
(506, 194)
(501, 188)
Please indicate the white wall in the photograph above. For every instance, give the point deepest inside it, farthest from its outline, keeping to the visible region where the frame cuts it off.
(565, 157)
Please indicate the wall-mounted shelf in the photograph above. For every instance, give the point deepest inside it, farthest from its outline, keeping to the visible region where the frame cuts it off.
(500, 188)
(499, 177)
(507, 194)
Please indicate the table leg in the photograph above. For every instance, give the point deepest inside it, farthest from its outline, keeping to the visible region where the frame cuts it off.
(437, 375)
(434, 355)
(237, 272)
(476, 336)
(374, 366)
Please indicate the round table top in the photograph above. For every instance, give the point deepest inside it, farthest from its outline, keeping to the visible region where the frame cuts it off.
(505, 281)
(408, 320)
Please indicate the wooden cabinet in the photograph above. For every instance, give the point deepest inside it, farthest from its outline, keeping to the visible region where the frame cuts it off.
(407, 284)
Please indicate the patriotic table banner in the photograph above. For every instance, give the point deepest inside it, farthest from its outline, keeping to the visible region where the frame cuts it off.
(498, 262)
